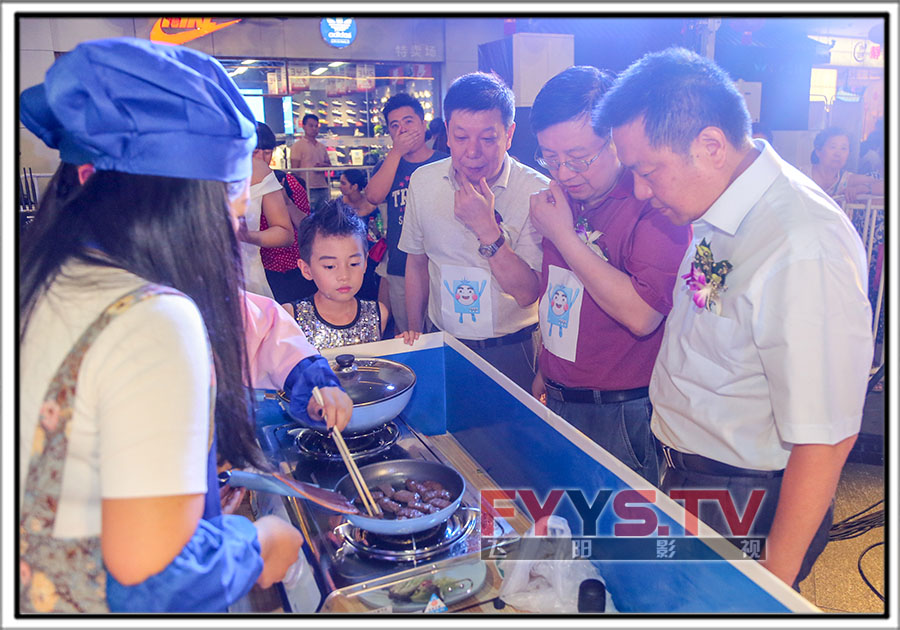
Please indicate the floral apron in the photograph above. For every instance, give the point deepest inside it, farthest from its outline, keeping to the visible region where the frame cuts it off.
(61, 575)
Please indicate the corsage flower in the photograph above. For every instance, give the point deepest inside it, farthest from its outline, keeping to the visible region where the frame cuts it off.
(707, 278)
(589, 237)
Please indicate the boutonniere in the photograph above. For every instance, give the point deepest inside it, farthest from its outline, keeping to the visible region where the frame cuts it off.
(707, 278)
(589, 237)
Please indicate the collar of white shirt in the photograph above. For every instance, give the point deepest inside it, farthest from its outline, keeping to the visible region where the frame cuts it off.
(502, 179)
(729, 210)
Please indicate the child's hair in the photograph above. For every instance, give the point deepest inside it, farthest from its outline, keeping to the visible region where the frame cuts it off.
(356, 176)
(334, 218)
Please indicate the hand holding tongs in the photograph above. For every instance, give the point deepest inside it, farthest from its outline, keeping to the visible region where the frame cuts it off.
(365, 496)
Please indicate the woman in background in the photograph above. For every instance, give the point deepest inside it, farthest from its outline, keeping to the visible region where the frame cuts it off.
(831, 148)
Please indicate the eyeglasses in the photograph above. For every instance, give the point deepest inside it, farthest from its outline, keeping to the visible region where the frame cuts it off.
(576, 166)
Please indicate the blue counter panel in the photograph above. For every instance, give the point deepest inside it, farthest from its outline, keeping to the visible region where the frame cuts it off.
(427, 408)
(520, 450)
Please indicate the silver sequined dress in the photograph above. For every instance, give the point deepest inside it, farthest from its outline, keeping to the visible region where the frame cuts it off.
(364, 328)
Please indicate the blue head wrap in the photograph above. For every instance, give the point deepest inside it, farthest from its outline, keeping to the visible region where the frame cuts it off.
(129, 105)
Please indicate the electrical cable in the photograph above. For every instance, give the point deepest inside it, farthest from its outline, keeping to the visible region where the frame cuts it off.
(857, 524)
(863, 575)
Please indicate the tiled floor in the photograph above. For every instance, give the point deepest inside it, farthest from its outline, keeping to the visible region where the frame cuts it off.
(835, 584)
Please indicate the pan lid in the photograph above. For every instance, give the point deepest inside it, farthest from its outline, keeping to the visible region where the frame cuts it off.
(370, 380)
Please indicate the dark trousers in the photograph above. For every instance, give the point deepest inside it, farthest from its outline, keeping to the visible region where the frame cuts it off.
(289, 286)
(740, 488)
(515, 360)
(623, 429)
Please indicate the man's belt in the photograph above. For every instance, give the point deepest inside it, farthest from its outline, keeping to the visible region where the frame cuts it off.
(689, 462)
(516, 337)
(592, 396)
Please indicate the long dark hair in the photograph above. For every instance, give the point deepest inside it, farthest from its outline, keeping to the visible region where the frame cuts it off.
(171, 231)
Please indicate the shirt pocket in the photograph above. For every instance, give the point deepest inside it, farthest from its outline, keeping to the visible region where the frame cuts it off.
(719, 346)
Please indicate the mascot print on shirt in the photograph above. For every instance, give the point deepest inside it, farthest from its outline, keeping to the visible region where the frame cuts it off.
(561, 300)
(466, 297)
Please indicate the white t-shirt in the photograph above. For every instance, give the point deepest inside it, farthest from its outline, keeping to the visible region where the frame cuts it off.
(431, 228)
(254, 273)
(787, 360)
(141, 410)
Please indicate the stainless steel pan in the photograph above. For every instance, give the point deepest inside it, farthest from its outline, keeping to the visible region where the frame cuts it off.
(395, 473)
(379, 388)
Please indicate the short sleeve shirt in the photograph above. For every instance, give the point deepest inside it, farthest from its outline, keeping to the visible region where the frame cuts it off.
(787, 359)
(431, 228)
(141, 411)
(396, 206)
(640, 242)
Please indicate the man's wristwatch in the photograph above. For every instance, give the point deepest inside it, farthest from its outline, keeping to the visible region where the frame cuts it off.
(489, 250)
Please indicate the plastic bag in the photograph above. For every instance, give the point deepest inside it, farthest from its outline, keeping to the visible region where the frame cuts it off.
(549, 584)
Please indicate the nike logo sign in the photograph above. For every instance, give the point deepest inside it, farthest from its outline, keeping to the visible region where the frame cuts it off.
(198, 28)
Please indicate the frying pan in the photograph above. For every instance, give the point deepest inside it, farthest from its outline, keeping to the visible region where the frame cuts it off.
(379, 388)
(395, 473)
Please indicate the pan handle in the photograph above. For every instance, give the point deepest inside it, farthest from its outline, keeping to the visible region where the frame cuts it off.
(253, 481)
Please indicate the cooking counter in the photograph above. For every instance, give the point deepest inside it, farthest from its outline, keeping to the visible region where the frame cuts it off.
(469, 416)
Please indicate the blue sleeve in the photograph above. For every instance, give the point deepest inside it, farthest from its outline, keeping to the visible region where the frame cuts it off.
(218, 566)
(311, 372)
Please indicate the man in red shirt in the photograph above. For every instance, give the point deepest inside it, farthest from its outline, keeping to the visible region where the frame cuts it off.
(609, 268)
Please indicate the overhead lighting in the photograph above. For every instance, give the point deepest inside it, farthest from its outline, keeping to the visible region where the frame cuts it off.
(238, 70)
(336, 64)
(318, 71)
(247, 62)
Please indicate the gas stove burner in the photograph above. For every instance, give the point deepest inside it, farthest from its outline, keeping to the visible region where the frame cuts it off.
(320, 446)
(408, 547)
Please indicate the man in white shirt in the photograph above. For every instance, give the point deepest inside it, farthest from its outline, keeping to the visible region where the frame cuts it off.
(761, 377)
(474, 257)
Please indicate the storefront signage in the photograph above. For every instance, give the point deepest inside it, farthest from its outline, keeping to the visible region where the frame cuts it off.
(365, 76)
(298, 76)
(173, 30)
(338, 32)
(852, 51)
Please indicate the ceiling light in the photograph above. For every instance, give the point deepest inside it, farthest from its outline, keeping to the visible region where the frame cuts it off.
(336, 64)
(318, 71)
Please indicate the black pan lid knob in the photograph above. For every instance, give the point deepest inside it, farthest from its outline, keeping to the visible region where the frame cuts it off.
(344, 360)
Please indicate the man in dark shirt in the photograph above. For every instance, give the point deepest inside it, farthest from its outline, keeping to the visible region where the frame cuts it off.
(390, 179)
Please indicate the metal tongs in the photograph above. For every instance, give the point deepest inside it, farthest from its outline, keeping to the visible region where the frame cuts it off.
(362, 489)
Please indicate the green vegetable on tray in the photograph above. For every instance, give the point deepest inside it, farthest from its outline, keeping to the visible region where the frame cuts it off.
(420, 590)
